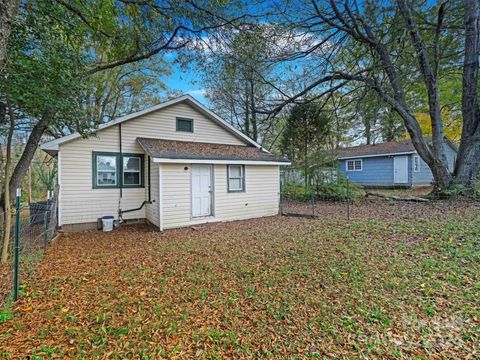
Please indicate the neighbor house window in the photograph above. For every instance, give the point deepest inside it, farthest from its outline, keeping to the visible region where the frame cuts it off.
(110, 170)
(185, 125)
(236, 178)
(416, 163)
(354, 165)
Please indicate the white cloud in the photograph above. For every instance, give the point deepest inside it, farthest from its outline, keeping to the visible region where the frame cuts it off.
(198, 92)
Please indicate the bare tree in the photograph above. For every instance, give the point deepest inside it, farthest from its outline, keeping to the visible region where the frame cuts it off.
(386, 46)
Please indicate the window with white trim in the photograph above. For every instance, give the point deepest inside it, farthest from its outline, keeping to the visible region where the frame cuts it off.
(105, 170)
(355, 165)
(236, 178)
(132, 166)
(416, 163)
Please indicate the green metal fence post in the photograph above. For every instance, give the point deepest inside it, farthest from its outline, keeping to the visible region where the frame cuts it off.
(16, 253)
(348, 199)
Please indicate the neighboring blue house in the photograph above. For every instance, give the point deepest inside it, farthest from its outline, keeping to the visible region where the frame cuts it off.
(390, 164)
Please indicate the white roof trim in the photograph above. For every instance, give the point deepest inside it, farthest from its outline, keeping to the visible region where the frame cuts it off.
(54, 144)
(375, 155)
(207, 161)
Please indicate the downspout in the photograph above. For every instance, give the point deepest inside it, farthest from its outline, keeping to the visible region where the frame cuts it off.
(149, 201)
(121, 160)
(119, 176)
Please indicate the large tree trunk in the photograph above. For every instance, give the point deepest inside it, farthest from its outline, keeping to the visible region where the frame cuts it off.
(468, 160)
(29, 151)
(8, 13)
(7, 225)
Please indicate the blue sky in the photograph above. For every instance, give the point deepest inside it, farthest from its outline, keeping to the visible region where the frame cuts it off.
(183, 80)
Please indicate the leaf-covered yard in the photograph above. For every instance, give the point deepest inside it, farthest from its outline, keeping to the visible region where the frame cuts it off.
(269, 287)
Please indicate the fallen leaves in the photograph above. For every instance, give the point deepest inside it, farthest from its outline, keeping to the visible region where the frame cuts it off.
(273, 287)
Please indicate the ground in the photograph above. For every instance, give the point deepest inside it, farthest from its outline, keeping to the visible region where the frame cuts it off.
(400, 283)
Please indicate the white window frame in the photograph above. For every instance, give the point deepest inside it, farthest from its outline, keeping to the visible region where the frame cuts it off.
(139, 171)
(354, 167)
(241, 178)
(95, 156)
(416, 161)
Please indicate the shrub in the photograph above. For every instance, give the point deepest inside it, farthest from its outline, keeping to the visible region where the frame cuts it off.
(296, 191)
(325, 190)
(338, 190)
(457, 190)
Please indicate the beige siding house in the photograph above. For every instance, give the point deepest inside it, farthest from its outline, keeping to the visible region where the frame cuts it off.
(175, 164)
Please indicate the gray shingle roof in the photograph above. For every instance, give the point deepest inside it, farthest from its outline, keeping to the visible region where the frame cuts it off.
(392, 147)
(386, 148)
(173, 149)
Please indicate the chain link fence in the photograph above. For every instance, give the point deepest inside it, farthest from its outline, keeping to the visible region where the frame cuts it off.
(314, 192)
(34, 225)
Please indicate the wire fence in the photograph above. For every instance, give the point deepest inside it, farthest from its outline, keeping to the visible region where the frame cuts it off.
(327, 193)
(33, 227)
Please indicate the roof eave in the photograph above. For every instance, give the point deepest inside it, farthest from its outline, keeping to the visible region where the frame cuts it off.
(223, 161)
(375, 155)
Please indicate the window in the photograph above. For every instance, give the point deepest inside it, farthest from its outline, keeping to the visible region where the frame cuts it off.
(185, 125)
(132, 170)
(236, 178)
(106, 168)
(354, 165)
(416, 163)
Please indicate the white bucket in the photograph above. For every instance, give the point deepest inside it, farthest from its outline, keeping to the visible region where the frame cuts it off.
(107, 223)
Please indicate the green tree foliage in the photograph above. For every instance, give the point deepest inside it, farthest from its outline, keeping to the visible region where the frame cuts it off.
(57, 50)
(237, 76)
(306, 130)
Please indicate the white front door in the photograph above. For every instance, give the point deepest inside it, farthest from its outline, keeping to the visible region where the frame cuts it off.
(201, 190)
(400, 169)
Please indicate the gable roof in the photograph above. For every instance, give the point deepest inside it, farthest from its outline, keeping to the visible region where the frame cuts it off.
(51, 147)
(382, 149)
(160, 150)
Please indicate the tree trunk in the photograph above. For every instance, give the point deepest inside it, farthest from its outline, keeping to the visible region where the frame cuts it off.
(305, 154)
(467, 168)
(368, 131)
(247, 111)
(7, 225)
(29, 151)
(29, 184)
(253, 111)
(468, 161)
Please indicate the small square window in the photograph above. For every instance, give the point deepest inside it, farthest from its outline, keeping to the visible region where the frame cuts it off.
(185, 125)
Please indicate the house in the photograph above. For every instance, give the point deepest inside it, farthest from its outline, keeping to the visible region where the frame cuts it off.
(389, 164)
(175, 164)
